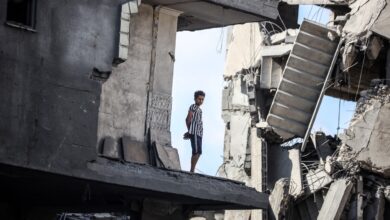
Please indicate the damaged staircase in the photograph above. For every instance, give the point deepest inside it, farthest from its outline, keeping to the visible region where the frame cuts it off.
(302, 86)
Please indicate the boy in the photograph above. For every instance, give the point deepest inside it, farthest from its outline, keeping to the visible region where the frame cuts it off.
(195, 128)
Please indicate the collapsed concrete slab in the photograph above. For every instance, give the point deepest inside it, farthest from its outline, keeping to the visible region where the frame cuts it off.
(382, 23)
(167, 157)
(335, 200)
(366, 140)
(363, 16)
(279, 199)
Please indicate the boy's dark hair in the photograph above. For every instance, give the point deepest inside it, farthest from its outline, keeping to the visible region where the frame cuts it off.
(199, 93)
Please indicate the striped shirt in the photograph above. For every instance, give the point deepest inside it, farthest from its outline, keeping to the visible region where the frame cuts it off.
(196, 126)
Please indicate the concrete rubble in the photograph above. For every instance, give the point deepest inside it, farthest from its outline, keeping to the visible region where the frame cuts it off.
(280, 199)
(366, 140)
(86, 105)
(311, 174)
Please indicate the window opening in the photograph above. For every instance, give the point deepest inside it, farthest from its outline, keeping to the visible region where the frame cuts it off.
(21, 12)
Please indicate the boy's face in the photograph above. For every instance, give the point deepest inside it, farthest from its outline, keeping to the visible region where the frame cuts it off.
(199, 100)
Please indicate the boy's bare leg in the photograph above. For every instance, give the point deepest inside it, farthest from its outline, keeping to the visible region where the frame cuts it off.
(194, 160)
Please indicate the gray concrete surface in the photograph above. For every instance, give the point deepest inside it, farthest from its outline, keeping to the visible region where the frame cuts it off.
(49, 108)
(56, 114)
(204, 14)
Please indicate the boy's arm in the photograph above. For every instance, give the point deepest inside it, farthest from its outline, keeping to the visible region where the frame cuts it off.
(189, 119)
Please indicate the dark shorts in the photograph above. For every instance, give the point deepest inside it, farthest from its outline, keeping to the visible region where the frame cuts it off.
(196, 144)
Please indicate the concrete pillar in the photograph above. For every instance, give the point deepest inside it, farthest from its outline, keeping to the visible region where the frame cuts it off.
(125, 91)
(142, 84)
(165, 50)
(256, 169)
(161, 74)
(296, 172)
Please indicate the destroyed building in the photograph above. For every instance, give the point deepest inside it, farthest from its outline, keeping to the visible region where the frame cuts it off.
(275, 79)
(85, 89)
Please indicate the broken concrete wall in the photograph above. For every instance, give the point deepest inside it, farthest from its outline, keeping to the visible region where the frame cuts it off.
(246, 102)
(363, 29)
(127, 93)
(324, 161)
(363, 15)
(124, 94)
(243, 46)
(136, 98)
(367, 140)
(382, 23)
(61, 95)
(237, 119)
(161, 79)
(49, 108)
(244, 42)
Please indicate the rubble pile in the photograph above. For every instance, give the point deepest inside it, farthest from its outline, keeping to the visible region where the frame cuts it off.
(346, 178)
(378, 92)
(319, 176)
(367, 139)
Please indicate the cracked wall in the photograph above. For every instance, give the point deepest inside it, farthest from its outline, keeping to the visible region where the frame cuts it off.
(137, 96)
(237, 105)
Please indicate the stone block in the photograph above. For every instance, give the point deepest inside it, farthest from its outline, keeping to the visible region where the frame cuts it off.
(123, 52)
(168, 156)
(125, 26)
(110, 148)
(124, 39)
(135, 151)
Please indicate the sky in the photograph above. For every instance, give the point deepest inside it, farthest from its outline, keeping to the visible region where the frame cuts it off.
(200, 60)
